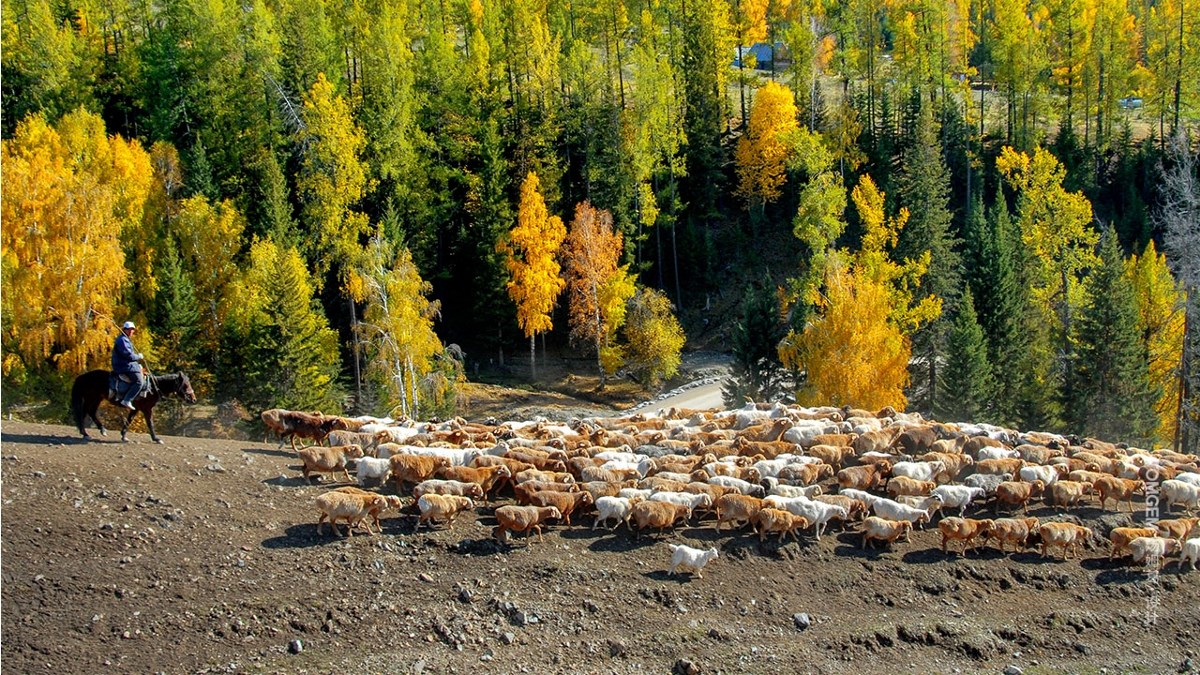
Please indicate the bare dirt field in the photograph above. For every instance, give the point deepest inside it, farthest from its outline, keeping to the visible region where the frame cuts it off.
(201, 555)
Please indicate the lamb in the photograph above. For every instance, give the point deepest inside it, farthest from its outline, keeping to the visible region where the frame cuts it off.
(1190, 553)
(691, 501)
(327, 460)
(659, 515)
(414, 468)
(511, 518)
(965, 530)
(565, 502)
(372, 470)
(903, 485)
(1153, 549)
(1017, 493)
(686, 558)
(436, 507)
(1116, 489)
(959, 496)
(1067, 536)
(884, 530)
(349, 507)
(1175, 491)
(886, 508)
(737, 509)
(1122, 536)
(738, 484)
(818, 514)
(1177, 528)
(778, 520)
(1014, 530)
(614, 508)
(447, 487)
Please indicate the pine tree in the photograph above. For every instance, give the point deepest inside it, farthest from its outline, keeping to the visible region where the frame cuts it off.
(176, 318)
(757, 373)
(967, 384)
(1111, 396)
(924, 186)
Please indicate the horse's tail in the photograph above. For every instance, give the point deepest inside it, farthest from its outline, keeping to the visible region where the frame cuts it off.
(77, 402)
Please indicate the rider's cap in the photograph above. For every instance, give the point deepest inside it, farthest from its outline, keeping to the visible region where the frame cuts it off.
(128, 324)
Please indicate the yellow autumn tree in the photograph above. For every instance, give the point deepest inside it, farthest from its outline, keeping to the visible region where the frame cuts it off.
(397, 328)
(591, 252)
(855, 349)
(762, 154)
(69, 192)
(531, 256)
(614, 298)
(210, 238)
(1160, 301)
(332, 179)
(850, 352)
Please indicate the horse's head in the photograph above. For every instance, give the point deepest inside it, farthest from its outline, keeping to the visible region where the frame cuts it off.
(185, 389)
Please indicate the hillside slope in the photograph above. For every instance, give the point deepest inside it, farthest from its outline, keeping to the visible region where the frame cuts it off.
(201, 555)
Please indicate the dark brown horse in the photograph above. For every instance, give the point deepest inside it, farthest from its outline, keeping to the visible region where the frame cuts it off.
(92, 387)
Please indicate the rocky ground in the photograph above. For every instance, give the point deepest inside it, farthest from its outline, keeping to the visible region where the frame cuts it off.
(201, 555)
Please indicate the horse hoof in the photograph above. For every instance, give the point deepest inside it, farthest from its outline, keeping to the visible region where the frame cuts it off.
(159, 441)
(103, 432)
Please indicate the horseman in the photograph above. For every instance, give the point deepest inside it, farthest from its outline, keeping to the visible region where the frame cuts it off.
(125, 364)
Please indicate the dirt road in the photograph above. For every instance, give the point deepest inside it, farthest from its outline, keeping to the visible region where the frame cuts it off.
(201, 556)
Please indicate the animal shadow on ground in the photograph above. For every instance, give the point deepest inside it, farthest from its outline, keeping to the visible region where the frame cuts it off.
(270, 453)
(292, 481)
(304, 535)
(665, 577)
(52, 440)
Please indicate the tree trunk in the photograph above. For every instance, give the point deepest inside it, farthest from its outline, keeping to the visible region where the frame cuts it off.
(1181, 421)
(533, 357)
(357, 357)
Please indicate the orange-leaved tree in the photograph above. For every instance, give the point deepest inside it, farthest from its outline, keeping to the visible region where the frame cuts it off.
(531, 255)
(591, 252)
(69, 191)
(762, 154)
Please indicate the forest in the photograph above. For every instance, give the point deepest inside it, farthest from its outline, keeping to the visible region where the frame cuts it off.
(983, 210)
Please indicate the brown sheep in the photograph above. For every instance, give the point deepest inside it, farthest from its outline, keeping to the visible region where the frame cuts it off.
(522, 519)
(1016, 531)
(1066, 536)
(486, 478)
(1121, 536)
(738, 509)
(525, 491)
(903, 485)
(565, 502)
(1067, 493)
(863, 477)
(1017, 493)
(659, 515)
(833, 455)
(999, 467)
(805, 474)
(391, 502)
(328, 460)
(1177, 528)
(965, 530)
(876, 528)
(349, 507)
(415, 468)
(783, 522)
(435, 507)
(1116, 489)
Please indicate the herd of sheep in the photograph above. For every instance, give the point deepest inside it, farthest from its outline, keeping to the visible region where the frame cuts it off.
(777, 469)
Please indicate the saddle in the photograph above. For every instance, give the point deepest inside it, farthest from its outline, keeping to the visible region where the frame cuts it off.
(119, 384)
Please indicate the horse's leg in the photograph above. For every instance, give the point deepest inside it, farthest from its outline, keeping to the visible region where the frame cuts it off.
(148, 413)
(126, 420)
(92, 410)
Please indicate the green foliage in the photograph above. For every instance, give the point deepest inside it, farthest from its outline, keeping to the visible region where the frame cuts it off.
(757, 373)
(653, 335)
(1110, 394)
(967, 385)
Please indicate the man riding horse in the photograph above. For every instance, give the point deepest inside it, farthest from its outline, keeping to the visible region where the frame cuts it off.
(125, 364)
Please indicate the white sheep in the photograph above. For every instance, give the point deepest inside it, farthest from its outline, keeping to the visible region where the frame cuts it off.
(818, 514)
(996, 453)
(691, 501)
(744, 487)
(886, 508)
(958, 496)
(643, 467)
(686, 558)
(1191, 552)
(919, 471)
(780, 490)
(1153, 549)
(1046, 473)
(1178, 492)
(861, 495)
(614, 508)
(373, 470)
(456, 456)
(986, 481)
(635, 493)
(1189, 478)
